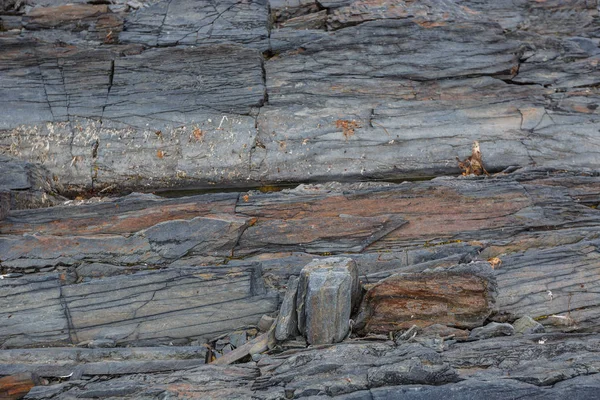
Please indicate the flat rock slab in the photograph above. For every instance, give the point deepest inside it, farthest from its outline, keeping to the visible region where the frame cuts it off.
(551, 278)
(56, 362)
(462, 297)
(181, 22)
(164, 306)
(364, 370)
(538, 223)
(161, 243)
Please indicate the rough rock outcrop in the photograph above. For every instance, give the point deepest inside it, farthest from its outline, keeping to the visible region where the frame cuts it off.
(151, 94)
(104, 98)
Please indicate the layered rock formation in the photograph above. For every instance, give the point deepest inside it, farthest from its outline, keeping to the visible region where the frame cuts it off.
(179, 93)
(481, 286)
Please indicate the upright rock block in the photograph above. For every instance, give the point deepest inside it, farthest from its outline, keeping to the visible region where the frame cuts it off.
(328, 291)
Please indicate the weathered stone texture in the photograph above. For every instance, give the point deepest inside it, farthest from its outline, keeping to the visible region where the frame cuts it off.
(109, 97)
(164, 306)
(328, 291)
(417, 81)
(287, 320)
(463, 297)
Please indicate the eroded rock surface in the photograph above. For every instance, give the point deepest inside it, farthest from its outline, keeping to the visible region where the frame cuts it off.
(109, 97)
(150, 94)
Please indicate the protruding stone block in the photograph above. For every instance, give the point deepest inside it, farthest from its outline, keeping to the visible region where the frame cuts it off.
(328, 290)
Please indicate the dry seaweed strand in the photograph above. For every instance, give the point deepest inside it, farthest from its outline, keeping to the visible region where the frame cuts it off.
(472, 165)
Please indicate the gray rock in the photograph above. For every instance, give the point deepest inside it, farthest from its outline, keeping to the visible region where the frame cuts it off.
(328, 291)
(101, 344)
(4, 203)
(181, 22)
(265, 323)
(25, 185)
(411, 372)
(161, 243)
(493, 329)
(527, 325)
(61, 361)
(287, 321)
(155, 307)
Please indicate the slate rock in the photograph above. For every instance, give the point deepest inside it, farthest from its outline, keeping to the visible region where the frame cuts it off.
(287, 321)
(85, 362)
(461, 297)
(527, 325)
(328, 290)
(25, 185)
(155, 307)
(4, 204)
(181, 22)
(411, 372)
(490, 330)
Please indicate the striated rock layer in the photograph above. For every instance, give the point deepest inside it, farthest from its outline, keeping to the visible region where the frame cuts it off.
(151, 94)
(473, 287)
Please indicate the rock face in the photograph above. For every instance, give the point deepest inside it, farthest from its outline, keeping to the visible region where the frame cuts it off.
(143, 296)
(154, 307)
(188, 290)
(380, 370)
(152, 94)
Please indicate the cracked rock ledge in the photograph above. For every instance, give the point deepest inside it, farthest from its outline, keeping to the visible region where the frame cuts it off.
(252, 199)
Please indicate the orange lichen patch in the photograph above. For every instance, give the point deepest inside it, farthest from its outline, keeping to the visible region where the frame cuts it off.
(495, 262)
(246, 198)
(347, 127)
(429, 24)
(17, 386)
(197, 134)
(206, 276)
(160, 153)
